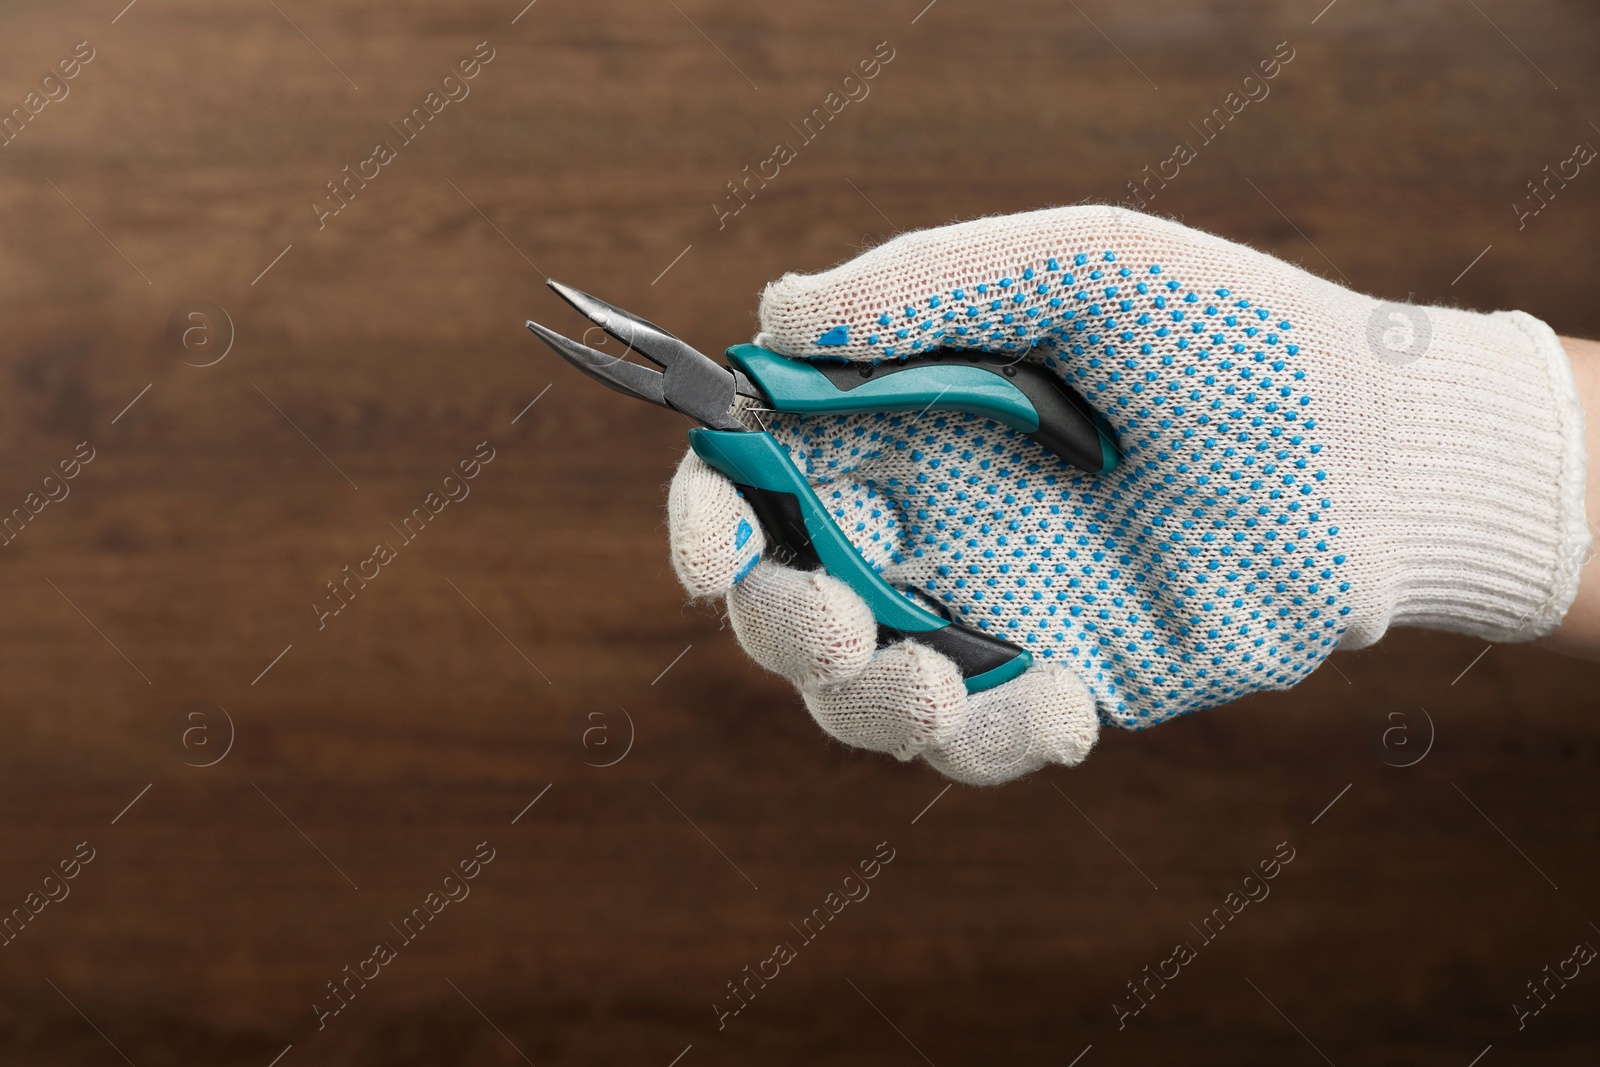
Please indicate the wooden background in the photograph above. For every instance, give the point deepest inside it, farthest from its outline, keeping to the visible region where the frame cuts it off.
(379, 751)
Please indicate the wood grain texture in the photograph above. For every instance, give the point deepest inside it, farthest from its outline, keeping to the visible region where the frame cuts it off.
(458, 685)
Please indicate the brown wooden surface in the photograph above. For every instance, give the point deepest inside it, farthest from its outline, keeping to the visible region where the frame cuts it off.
(410, 729)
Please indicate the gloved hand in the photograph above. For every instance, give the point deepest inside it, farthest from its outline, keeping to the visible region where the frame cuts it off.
(1301, 468)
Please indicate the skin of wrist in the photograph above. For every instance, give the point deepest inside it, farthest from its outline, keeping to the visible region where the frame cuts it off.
(1579, 632)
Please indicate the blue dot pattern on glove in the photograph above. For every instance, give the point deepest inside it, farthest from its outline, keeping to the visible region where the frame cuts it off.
(1202, 568)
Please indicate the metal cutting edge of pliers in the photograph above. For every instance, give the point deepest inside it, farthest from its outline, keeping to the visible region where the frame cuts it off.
(690, 382)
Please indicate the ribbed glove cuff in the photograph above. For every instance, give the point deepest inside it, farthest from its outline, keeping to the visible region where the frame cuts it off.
(1483, 529)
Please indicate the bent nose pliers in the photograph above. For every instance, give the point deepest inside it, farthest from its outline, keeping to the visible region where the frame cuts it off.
(800, 533)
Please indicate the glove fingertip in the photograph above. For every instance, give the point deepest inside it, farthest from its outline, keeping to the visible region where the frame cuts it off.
(1065, 717)
(1044, 716)
(715, 538)
(805, 625)
(900, 704)
(812, 317)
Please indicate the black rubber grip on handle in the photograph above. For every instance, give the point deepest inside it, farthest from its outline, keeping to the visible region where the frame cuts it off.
(1067, 424)
(788, 541)
(973, 651)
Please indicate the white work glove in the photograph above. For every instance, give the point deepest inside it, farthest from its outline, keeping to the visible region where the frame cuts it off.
(1301, 468)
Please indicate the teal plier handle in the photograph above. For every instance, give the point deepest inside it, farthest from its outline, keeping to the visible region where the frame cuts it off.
(1027, 397)
(801, 533)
